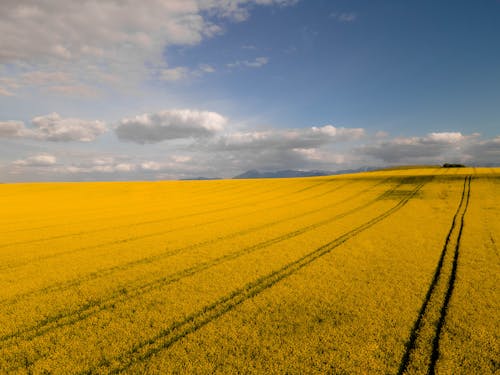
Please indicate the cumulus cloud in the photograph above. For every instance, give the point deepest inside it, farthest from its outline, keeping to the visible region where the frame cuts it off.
(381, 134)
(48, 81)
(87, 40)
(150, 165)
(54, 128)
(170, 124)
(220, 152)
(11, 129)
(446, 137)
(435, 147)
(320, 147)
(77, 30)
(104, 165)
(289, 139)
(42, 160)
(484, 151)
(339, 133)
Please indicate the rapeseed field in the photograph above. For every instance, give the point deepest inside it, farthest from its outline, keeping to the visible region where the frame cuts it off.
(393, 271)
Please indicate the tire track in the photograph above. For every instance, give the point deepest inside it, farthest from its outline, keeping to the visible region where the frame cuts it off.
(121, 295)
(11, 266)
(422, 348)
(178, 330)
(67, 235)
(233, 188)
(60, 286)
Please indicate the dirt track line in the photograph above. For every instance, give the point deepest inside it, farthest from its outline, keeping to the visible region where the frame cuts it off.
(178, 330)
(11, 266)
(165, 254)
(104, 229)
(423, 343)
(240, 189)
(449, 291)
(93, 211)
(63, 319)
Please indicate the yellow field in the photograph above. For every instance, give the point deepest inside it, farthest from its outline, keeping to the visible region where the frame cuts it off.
(394, 271)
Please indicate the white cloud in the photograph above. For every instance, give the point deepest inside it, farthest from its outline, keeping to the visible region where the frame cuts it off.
(381, 134)
(103, 160)
(339, 133)
(446, 137)
(323, 147)
(150, 166)
(483, 151)
(89, 39)
(289, 139)
(272, 149)
(256, 63)
(124, 167)
(180, 73)
(435, 147)
(170, 124)
(42, 160)
(43, 78)
(5, 92)
(11, 129)
(75, 30)
(316, 155)
(206, 68)
(174, 74)
(344, 16)
(98, 166)
(181, 158)
(74, 90)
(56, 82)
(54, 128)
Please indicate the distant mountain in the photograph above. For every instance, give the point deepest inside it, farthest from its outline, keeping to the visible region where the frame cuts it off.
(288, 173)
(201, 178)
(358, 170)
(281, 174)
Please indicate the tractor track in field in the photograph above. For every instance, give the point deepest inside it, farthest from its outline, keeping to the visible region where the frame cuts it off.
(162, 208)
(193, 322)
(60, 286)
(121, 295)
(233, 189)
(146, 222)
(423, 343)
(11, 266)
(100, 211)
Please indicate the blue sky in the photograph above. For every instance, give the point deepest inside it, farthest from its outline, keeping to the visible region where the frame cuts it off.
(176, 88)
(391, 64)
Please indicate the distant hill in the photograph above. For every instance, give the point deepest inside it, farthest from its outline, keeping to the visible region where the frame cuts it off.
(358, 170)
(289, 173)
(201, 178)
(281, 174)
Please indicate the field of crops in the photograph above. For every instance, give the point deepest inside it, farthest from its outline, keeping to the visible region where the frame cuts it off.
(394, 271)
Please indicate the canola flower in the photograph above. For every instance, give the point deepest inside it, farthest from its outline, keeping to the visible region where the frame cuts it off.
(392, 271)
